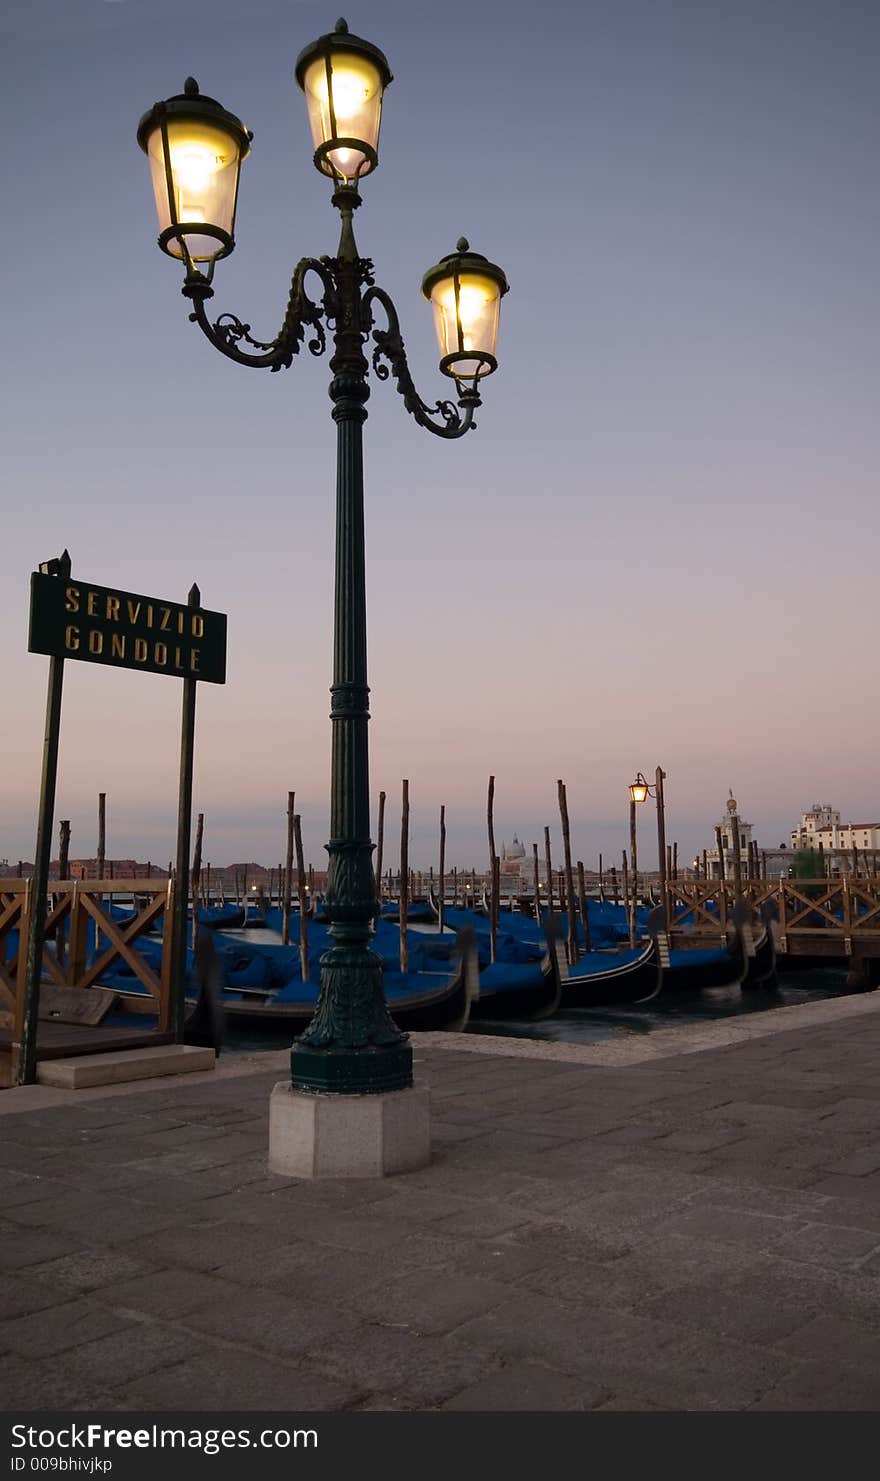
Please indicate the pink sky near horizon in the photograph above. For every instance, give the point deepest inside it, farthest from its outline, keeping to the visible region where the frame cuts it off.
(660, 545)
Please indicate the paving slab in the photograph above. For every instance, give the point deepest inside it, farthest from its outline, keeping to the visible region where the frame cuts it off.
(688, 1220)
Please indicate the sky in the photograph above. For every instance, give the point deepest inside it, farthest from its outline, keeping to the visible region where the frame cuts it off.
(660, 545)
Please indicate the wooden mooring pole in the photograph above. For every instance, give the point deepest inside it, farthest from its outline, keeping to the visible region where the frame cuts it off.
(573, 953)
(659, 779)
(626, 895)
(380, 844)
(634, 857)
(585, 912)
(303, 900)
(536, 882)
(195, 877)
(288, 873)
(493, 899)
(442, 863)
(404, 877)
(737, 857)
(102, 834)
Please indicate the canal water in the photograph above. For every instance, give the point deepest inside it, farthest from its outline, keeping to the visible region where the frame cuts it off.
(592, 1025)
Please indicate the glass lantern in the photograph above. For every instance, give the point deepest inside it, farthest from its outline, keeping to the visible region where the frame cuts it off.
(465, 291)
(195, 149)
(343, 78)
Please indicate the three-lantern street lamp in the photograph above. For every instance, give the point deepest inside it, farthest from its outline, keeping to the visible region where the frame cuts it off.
(195, 150)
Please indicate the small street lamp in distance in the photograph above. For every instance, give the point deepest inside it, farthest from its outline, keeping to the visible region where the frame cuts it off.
(640, 791)
(352, 1056)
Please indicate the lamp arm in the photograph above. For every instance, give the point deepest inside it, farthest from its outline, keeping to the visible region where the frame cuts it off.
(455, 420)
(228, 332)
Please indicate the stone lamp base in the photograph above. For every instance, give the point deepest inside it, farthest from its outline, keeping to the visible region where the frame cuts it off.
(348, 1136)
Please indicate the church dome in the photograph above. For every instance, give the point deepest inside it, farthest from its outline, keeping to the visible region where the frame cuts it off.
(515, 850)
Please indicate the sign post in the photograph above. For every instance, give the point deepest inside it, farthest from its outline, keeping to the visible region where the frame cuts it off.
(24, 1071)
(123, 630)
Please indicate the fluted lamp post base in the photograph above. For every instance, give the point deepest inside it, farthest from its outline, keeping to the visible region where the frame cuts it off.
(348, 1136)
(369, 1071)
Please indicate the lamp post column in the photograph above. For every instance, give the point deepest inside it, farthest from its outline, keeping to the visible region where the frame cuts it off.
(352, 1046)
(661, 839)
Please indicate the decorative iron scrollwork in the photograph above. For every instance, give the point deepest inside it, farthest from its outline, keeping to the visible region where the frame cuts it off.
(455, 420)
(228, 332)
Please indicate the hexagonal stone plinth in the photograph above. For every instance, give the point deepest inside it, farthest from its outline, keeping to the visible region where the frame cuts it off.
(348, 1136)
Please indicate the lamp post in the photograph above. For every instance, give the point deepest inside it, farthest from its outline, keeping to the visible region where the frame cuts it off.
(195, 149)
(640, 790)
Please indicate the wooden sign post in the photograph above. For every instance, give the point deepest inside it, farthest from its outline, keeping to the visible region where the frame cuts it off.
(123, 630)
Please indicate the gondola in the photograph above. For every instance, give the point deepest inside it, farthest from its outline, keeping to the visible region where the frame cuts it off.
(530, 990)
(221, 917)
(603, 977)
(690, 969)
(417, 1001)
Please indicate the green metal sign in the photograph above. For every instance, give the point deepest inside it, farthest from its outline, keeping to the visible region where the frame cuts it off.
(75, 619)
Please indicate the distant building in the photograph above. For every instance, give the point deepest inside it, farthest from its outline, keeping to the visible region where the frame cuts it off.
(512, 868)
(821, 828)
(728, 847)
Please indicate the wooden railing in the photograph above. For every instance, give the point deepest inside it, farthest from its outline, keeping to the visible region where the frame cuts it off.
(819, 915)
(14, 915)
(71, 905)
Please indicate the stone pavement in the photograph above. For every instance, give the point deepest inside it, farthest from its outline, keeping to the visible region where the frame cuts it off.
(681, 1223)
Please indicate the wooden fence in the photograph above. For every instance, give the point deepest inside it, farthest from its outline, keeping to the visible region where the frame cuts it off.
(822, 917)
(71, 905)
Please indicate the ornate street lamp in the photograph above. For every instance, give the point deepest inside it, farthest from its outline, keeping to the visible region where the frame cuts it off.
(195, 147)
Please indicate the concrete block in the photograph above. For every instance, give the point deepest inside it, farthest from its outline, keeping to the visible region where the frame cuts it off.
(116, 1068)
(348, 1136)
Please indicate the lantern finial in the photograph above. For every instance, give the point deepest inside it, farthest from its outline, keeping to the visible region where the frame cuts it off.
(190, 88)
(462, 244)
(341, 27)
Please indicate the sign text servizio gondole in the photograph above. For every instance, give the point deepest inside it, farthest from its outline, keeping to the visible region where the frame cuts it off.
(75, 619)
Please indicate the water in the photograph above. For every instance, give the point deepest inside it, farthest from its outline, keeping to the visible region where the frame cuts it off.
(593, 1025)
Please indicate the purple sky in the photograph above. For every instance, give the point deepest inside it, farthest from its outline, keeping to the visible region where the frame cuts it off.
(660, 545)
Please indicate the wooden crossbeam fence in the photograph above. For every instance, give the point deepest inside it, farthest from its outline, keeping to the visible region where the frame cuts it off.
(67, 962)
(815, 916)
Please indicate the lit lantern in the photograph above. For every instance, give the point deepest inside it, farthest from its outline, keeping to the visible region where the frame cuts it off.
(638, 790)
(465, 290)
(195, 149)
(343, 78)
